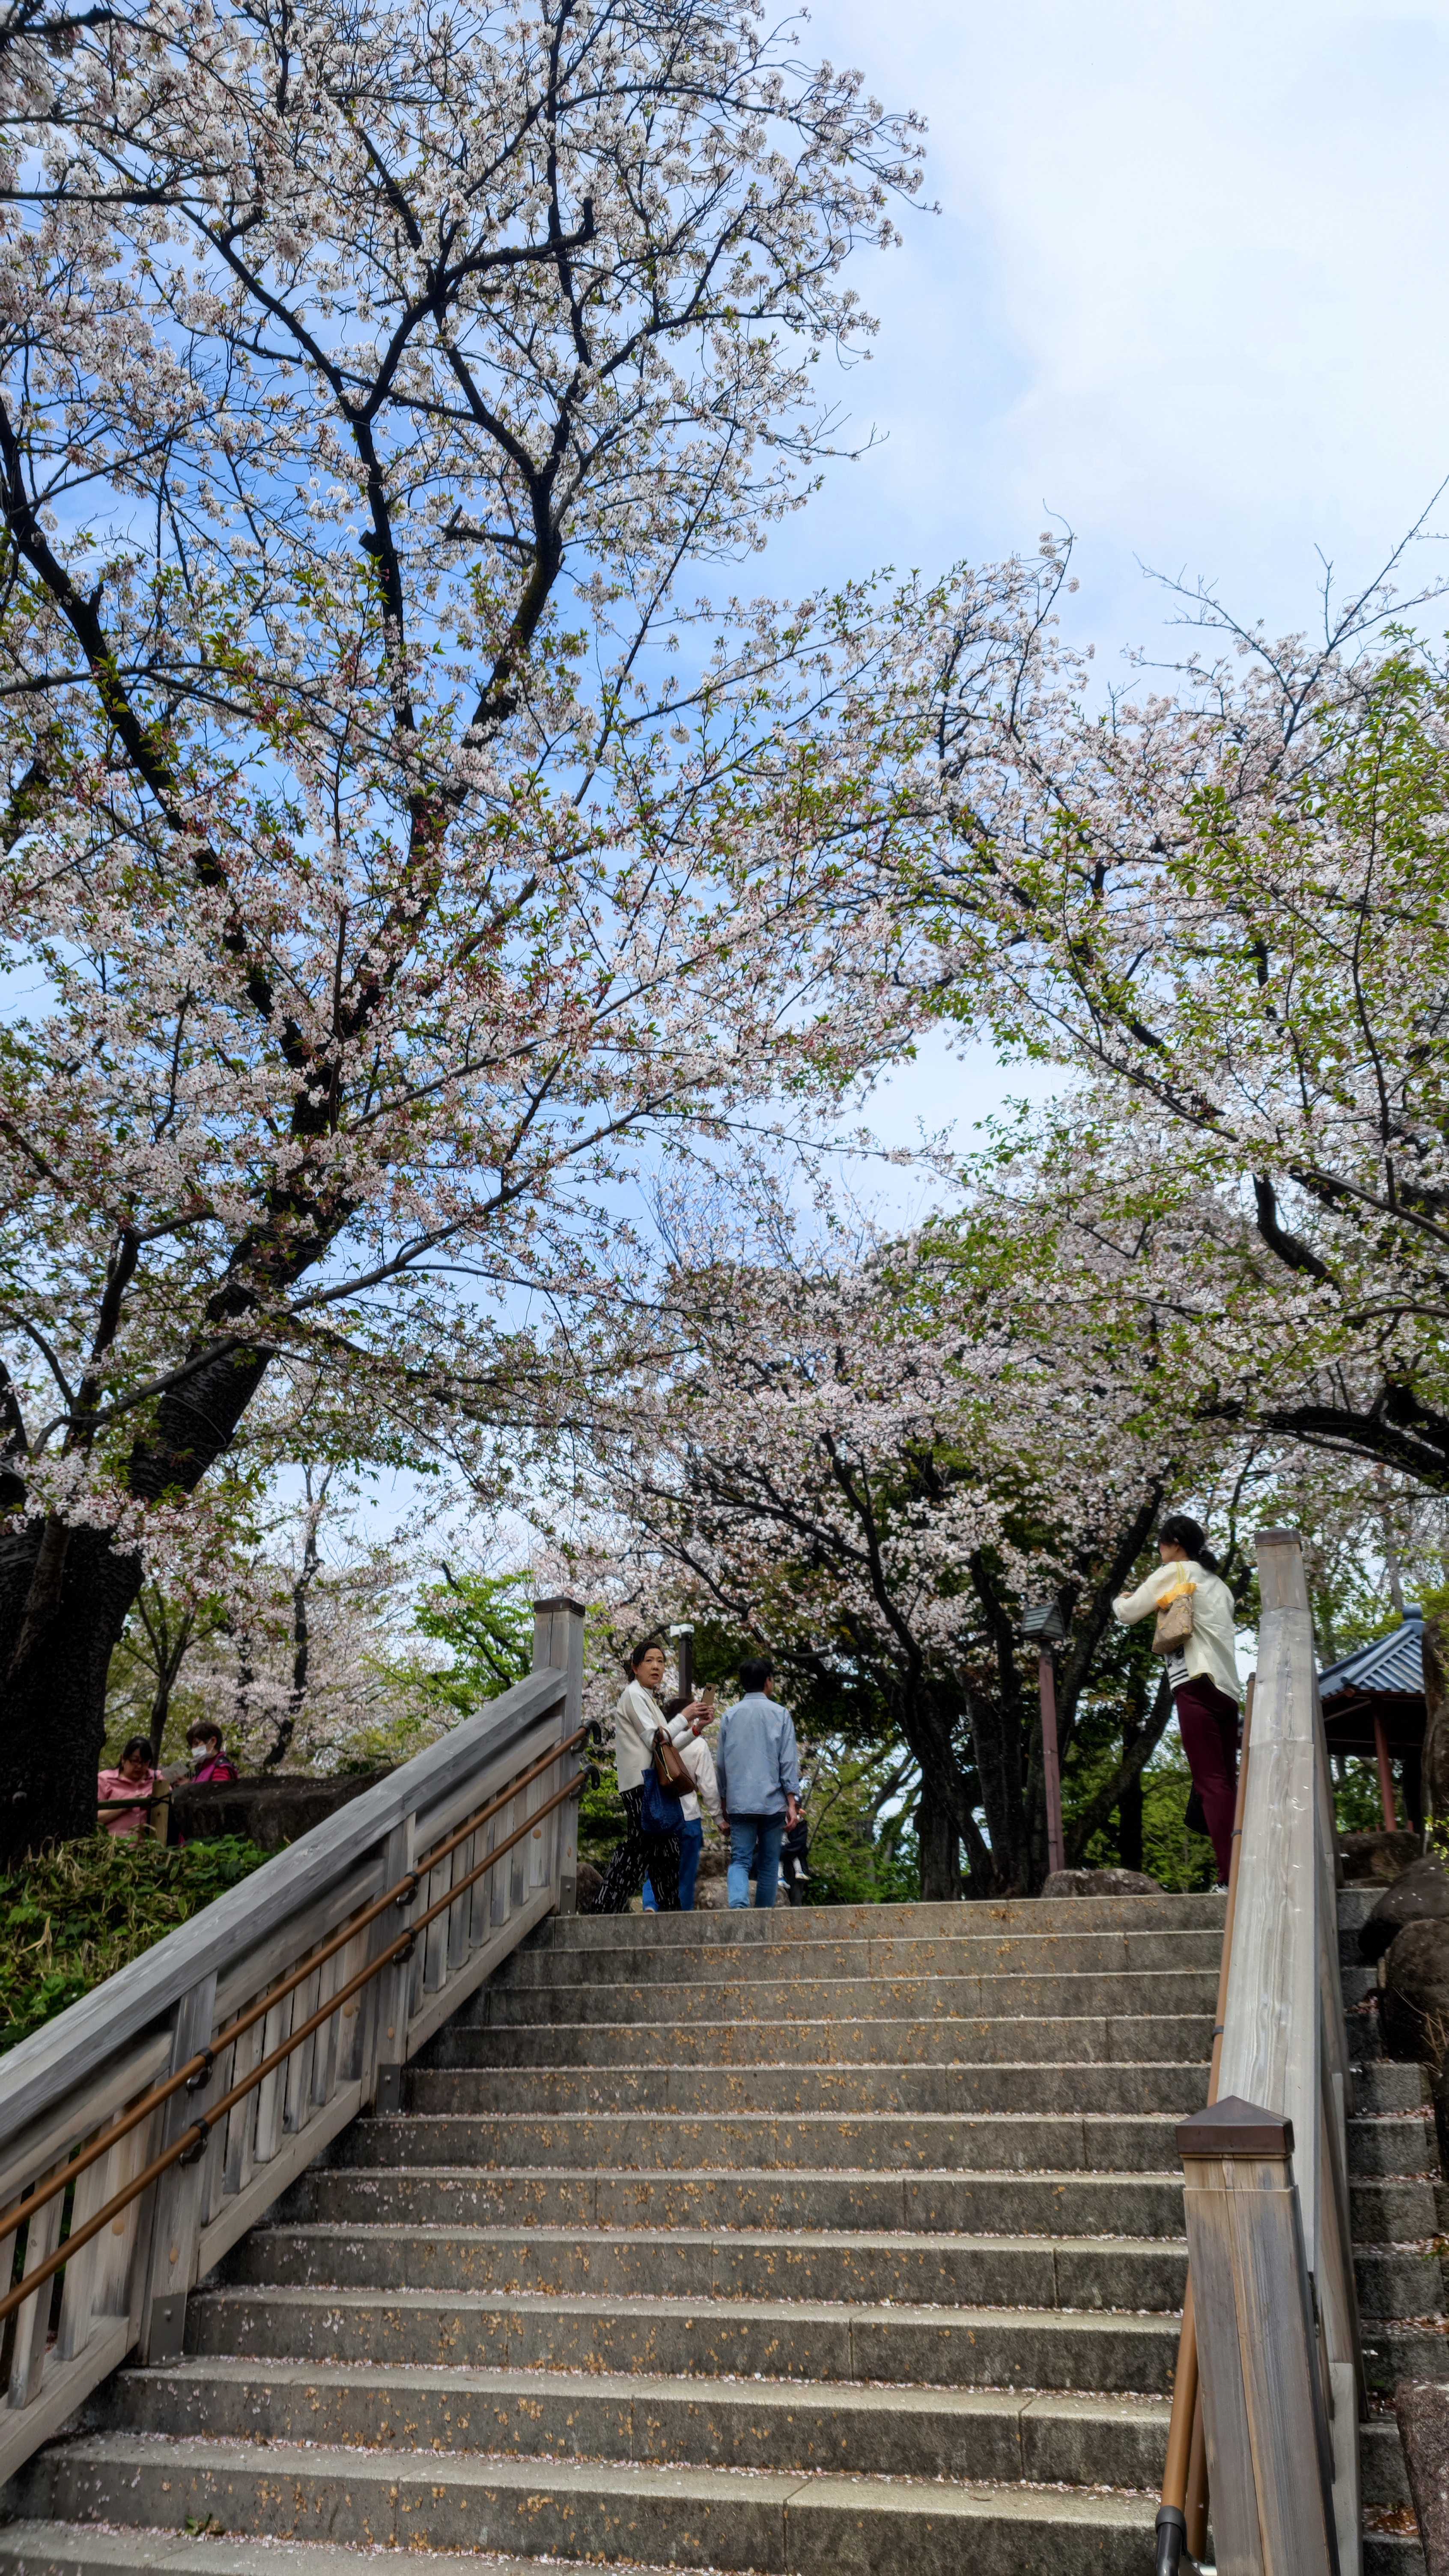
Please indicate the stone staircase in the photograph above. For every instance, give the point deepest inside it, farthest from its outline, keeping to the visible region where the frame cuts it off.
(826, 2242)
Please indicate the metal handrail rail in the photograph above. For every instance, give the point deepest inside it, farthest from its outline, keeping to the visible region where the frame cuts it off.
(193, 2139)
(1182, 2518)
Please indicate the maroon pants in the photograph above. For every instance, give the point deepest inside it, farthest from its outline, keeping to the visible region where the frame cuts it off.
(1208, 1724)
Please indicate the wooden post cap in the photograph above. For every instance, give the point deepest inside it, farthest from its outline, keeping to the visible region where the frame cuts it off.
(1234, 2128)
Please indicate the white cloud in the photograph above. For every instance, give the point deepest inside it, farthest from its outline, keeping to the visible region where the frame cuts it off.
(1188, 289)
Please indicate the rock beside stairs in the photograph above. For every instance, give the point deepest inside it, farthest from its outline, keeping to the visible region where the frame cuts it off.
(833, 2242)
(1101, 1882)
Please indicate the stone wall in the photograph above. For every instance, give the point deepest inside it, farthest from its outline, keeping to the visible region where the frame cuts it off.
(271, 1812)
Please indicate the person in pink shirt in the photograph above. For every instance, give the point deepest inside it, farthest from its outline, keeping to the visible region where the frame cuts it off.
(135, 1782)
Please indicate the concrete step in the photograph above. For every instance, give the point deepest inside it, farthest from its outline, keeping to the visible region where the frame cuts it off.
(1402, 2210)
(702, 2092)
(693, 2263)
(1047, 2039)
(1392, 2143)
(773, 2424)
(34, 2548)
(881, 2141)
(1015, 1953)
(962, 2347)
(42, 2548)
(1047, 2437)
(1385, 2085)
(1400, 2281)
(1033, 2204)
(782, 1999)
(788, 1926)
(762, 2519)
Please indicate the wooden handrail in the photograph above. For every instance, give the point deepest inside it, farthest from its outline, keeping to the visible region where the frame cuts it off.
(1265, 2167)
(187, 2078)
(160, 2116)
(192, 2140)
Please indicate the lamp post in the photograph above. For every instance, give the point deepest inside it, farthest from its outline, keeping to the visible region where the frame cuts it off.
(1044, 1627)
(682, 1636)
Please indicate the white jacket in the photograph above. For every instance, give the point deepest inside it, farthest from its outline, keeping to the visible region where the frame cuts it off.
(697, 1758)
(637, 1720)
(1211, 1651)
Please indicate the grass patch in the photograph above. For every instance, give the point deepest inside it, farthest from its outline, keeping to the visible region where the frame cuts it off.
(79, 1911)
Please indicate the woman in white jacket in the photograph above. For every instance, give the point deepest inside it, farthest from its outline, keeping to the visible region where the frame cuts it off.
(637, 1720)
(1203, 1678)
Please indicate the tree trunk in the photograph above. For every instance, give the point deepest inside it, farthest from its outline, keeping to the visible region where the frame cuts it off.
(64, 1597)
(996, 1733)
(160, 1711)
(1129, 1810)
(63, 1603)
(170, 1655)
(1435, 1773)
(945, 1815)
(939, 1844)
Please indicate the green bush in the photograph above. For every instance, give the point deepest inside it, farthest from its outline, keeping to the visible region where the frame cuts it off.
(79, 1911)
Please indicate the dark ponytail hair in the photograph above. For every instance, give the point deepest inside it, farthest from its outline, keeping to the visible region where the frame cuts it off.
(1180, 1530)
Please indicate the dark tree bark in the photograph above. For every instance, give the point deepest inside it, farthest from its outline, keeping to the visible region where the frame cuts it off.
(1129, 1812)
(939, 1845)
(1434, 1762)
(169, 1648)
(62, 1610)
(998, 1721)
(301, 1625)
(65, 1594)
(1130, 1768)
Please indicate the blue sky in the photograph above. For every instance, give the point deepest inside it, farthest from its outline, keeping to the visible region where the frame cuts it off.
(1188, 291)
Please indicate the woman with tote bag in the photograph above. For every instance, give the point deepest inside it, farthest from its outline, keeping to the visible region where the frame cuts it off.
(638, 1719)
(1196, 1631)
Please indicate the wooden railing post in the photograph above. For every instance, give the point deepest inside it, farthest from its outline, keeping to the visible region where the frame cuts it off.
(169, 2260)
(558, 1644)
(394, 1986)
(1270, 2466)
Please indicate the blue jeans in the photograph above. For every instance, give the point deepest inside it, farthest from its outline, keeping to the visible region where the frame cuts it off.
(691, 1853)
(755, 1845)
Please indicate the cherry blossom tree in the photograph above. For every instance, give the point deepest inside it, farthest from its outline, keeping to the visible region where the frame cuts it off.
(872, 1460)
(283, 1625)
(395, 855)
(1218, 896)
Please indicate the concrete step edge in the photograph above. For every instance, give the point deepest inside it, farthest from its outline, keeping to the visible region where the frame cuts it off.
(888, 2399)
(1005, 2240)
(605, 2304)
(96, 2550)
(1104, 2177)
(300, 2463)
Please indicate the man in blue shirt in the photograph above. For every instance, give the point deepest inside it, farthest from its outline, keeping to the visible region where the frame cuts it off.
(759, 1783)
